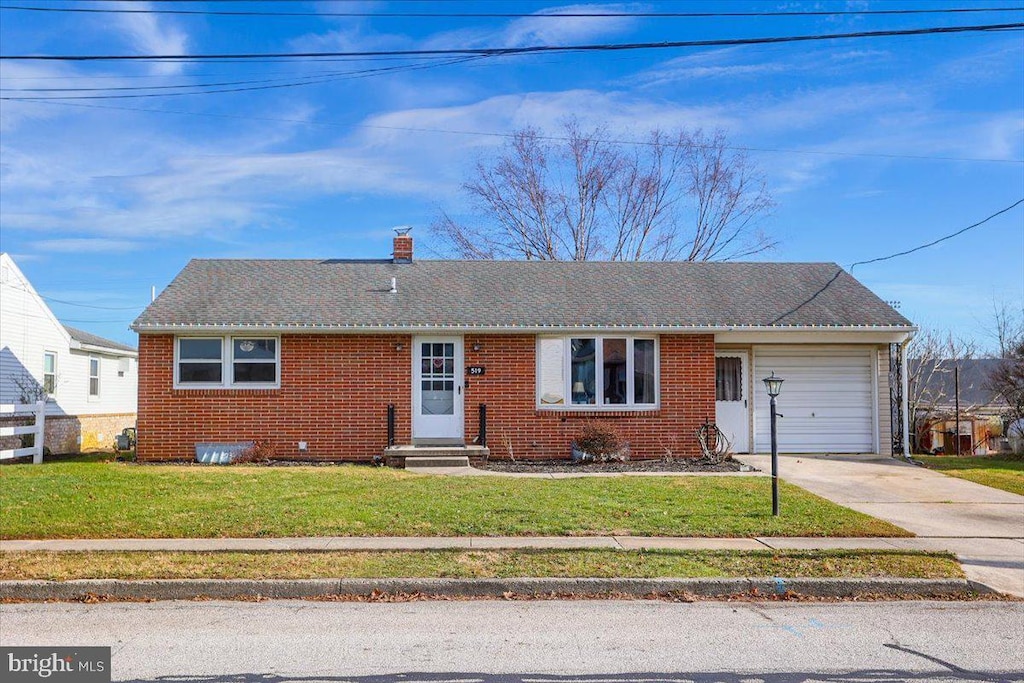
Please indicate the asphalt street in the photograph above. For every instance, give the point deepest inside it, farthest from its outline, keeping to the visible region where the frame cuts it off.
(539, 641)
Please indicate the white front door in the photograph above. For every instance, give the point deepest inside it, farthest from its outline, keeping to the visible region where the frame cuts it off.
(437, 390)
(732, 414)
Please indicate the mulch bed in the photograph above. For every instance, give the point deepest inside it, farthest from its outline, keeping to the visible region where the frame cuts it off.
(560, 466)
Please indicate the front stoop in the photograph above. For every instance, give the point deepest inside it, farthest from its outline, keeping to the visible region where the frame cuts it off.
(419, 457)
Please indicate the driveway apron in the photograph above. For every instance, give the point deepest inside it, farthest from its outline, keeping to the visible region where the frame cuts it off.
(982, 525)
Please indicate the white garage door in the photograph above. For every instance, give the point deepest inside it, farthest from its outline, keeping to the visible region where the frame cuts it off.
(827, 400)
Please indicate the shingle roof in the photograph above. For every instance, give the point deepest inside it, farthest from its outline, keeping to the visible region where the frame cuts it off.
(517, 294)
(95, 340)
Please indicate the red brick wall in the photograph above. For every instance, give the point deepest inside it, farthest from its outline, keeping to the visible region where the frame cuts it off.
(335, 390)
(509, 390)
(334, 394)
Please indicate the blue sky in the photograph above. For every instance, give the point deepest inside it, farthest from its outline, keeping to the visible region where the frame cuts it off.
(101, 199)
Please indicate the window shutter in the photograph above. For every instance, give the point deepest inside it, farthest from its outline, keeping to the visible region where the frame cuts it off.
(552, 372)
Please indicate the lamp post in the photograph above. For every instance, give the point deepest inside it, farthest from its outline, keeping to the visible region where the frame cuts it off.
(774, 385)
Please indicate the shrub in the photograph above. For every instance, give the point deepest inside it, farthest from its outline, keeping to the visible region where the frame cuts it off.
(259, 452)
(602, 441)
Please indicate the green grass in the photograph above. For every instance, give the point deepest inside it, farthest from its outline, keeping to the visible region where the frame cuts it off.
(97, 499)
(65, 566)
(1001, 472)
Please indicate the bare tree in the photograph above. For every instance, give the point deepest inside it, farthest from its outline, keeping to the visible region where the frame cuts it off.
(1007, 380)
(585, 196)
(1007, 327)
(933, 356)
(29, 388)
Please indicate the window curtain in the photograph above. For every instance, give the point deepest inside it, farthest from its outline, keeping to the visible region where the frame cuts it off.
(728, 379)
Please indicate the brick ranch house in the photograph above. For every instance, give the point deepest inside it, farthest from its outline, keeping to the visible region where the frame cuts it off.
(305, 357)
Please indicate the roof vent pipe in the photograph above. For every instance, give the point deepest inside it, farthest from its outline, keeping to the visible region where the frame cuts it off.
(394, 285)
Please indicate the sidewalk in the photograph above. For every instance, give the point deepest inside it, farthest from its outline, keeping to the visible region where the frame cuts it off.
(999, 569)
(1004, 546)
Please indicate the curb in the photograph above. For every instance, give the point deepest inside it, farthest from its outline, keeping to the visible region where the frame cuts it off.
(228, 589)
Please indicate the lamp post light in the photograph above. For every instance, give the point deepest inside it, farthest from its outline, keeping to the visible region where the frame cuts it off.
(774, 385)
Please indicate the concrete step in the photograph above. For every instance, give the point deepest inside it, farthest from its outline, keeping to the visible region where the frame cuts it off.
(421, 461)
(434, 456)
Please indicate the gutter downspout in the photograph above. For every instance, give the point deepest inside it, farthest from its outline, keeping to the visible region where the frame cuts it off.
(905, 395)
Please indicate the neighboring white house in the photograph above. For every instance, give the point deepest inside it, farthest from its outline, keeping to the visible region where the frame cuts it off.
(90, 383)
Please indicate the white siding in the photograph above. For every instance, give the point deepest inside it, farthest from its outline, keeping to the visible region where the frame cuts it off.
(28, 330)
(117, 394)
(827, 400)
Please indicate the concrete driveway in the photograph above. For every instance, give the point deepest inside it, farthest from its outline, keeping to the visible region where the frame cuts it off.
(982, 525)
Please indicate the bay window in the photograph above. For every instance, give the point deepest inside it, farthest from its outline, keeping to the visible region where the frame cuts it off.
(601, 372)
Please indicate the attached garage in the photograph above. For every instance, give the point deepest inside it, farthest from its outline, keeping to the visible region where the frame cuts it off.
(828, 400)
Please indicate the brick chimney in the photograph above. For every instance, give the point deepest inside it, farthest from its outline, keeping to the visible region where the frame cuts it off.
(403, 245)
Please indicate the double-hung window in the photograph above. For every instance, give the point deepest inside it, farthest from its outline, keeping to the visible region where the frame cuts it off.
(227, 362)
(201, 361)
(253, 361)
(49, 372)
(601, 372)
(94, 378)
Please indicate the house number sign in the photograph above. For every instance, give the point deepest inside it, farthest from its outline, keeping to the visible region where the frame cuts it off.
(475, 370)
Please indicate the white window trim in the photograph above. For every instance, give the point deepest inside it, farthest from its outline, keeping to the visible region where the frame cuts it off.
(230, 374)
(178, 384)
(54, 373)
(227, 361)
(569, 406)
(99, 379)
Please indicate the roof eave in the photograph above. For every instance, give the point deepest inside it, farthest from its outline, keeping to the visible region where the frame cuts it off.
(108, 350)
(314, 328)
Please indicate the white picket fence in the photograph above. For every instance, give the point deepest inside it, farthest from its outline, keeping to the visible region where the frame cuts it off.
(38, 410)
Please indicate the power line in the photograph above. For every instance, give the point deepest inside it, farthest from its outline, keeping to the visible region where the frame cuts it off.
(101, 308)
(496, 134)
(325, 75)
(270, 84)
(531, 49)
(76, 303)
(540, 14)
(941, 239)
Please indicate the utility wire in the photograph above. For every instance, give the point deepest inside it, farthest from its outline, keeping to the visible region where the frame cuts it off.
(76, 303)
(311, 77)
(477, 133)
(540, 14)
(273, 83)
(101, 308)
(941, 239)
(531, 49)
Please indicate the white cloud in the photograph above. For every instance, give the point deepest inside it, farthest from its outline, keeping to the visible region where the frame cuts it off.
(150, 34)
(740, 63)
(85, 245)
(125, 177)
(182, 187)
(569, 30)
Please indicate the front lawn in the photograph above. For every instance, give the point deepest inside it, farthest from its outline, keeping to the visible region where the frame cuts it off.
(90, 499)
(1001, 472)
(64, 566)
